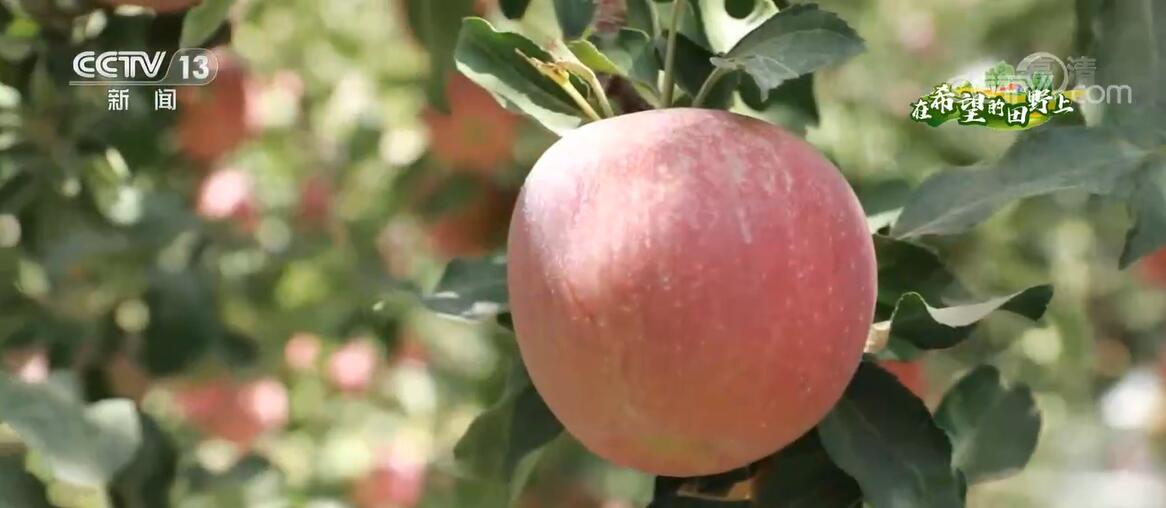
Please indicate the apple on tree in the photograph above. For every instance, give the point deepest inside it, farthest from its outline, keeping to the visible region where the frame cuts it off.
(477, 134)
(666, 266)
(212, 120)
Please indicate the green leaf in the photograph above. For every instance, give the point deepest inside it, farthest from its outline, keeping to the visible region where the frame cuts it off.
(575, 16)
(184, 322)
(21, 489)
(791, 105)
(883, 436)
(84, 446)
(993, 428)
(492, 60)
(202, 21)
(882, 200)
(691, 26)
(641, 16)
(471, 289)
(628, 54)
(1041, 162)
(1131, 42)
(907, 267)
(514, 9)
(1148, 234)
(794, 42)
(147, 480)
(926, 327)
(802, 475)
(693, 67)
(519, 424)
(431, 22)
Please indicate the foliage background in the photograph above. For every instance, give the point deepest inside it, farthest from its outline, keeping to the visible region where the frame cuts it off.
(258, 305)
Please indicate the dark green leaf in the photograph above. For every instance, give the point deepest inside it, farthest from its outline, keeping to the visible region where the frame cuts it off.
(926, 327)
(84, 446)
(993, 429)
(500, 438)
(791, 105)
(492, 60)
(882, 200)
(1130, 46)
(1148, 233)
(575, 16)
(906, 267)
(693, 67)
(802, 475)
(1045, 161)
(184, 322)
(202, 21)
(514, 9)
(471, 289)
(883, 436)
(628, 54)
(431, 23)
(691, 26)
(796, 41)
(642, 16)
(146, 481)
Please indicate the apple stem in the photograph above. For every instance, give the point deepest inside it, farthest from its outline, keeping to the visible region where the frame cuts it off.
(670, 54)
(707, 87)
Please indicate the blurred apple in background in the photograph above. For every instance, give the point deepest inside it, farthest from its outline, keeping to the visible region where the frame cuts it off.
(236, 411)
(127, 378)
(352, 367)
(315, 206)
(228, 193)
(1152, 269)
(396, 481)
(477, 134)
(474, 227)
(302, 351)
(28, 364)
(212, 119)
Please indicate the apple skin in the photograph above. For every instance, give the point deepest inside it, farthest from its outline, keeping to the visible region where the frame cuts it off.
(691, 289)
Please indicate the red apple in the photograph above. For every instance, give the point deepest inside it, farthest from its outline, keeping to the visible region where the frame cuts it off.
(301, 351)
(476, 227)
(235, 411)
(610, 16)
(398, 481)
(352, 367)
(225, 193)
(477, 134)
(910, 374)
(1152, 268)
(212, 120)
(691, 289)
(29, 364)
(315, 200)
(127, 378)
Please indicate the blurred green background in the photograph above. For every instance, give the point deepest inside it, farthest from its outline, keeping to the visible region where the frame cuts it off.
(242, 267)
